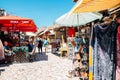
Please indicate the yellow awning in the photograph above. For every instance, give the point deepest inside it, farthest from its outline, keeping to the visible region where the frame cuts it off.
(94, 5)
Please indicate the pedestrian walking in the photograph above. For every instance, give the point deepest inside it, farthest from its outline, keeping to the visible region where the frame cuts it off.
(40, 44)
(45, 44)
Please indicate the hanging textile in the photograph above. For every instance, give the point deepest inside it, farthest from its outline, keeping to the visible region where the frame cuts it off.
(71, 32)
(102, 52)
(118, 55)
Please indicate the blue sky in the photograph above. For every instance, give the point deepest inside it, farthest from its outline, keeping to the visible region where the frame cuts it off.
(43, 12)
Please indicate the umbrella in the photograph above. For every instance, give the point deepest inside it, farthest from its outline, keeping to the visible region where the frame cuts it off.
(77, 19)
(94, 5)
(15, 23)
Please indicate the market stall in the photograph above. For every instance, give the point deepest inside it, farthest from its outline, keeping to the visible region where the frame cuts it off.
(11, 26)
(97, 70)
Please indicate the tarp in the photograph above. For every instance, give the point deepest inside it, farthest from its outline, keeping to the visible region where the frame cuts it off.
(16, 23)
(94, 5)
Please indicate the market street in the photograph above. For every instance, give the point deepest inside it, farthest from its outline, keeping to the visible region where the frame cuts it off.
(49, 67)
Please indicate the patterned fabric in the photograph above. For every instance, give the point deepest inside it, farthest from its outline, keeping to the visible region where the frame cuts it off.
(103, 43)
(118, 55)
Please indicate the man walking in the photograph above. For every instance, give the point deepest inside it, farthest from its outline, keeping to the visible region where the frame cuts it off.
(40, 44)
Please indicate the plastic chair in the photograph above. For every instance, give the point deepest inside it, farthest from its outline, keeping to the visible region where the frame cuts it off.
(64, 48)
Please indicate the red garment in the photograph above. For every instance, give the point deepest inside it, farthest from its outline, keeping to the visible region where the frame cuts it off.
(118, 55)
(71, 32)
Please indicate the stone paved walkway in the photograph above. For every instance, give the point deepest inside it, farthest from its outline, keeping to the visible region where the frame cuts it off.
(46, 67)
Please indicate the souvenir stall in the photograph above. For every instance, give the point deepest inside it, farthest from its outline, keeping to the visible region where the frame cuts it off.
(74, 21)
(104, 48)
(13, 25)
(78, 52)
(78, 40)
(57, 40)
(102, 51)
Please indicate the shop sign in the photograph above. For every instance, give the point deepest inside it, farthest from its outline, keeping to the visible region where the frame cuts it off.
(19, 22)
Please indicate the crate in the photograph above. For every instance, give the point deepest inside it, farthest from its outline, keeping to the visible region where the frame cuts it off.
(20, 57)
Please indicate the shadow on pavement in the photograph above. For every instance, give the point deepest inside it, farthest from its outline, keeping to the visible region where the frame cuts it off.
(41, 57)
(3, 64)
(56, 54)
(1, 70)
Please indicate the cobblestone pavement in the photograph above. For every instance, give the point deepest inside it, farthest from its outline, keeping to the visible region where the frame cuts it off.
(46, 67)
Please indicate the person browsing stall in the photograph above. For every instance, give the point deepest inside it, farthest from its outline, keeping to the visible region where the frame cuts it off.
(29, 45)
(8, 53)
(7, 49)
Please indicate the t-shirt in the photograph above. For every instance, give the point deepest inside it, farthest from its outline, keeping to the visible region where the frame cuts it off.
(7, 48)
(45, 42)
(30, 47)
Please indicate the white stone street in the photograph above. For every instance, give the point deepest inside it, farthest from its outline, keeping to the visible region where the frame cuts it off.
(48, 67)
